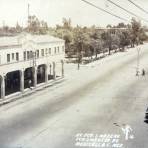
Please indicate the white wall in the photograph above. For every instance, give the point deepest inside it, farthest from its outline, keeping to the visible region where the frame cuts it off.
(13, 65)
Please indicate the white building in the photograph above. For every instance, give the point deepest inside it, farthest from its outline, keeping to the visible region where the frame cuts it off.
(27, 60)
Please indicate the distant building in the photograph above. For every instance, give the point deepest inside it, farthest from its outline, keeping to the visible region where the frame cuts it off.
(28, 60)
(111, 30)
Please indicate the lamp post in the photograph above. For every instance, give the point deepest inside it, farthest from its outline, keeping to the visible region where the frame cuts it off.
(34, 68)
(34, 58)
(50, 69)
(78, 59)
(62, 62)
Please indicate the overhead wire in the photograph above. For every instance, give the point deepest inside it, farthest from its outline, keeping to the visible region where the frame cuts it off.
(139, 7)
(91, 4)
(131, 13)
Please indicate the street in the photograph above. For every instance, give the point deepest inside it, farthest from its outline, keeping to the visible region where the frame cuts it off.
(100, 98)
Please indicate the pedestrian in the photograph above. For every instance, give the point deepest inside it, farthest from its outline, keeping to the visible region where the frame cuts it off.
(29, 83)
(137, 72)
(143, 72)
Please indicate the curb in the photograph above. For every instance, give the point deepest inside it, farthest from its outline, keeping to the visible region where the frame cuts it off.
(27, 92)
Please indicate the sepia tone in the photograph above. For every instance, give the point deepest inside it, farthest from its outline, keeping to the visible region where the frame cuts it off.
(73, 74)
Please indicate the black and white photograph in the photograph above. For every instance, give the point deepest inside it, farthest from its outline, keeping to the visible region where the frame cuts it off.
(73, 74)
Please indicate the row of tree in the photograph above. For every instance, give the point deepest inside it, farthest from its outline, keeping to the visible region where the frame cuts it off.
(84, 41)
(34, 26)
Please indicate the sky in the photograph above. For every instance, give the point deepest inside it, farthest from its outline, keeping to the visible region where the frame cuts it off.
(52, 11)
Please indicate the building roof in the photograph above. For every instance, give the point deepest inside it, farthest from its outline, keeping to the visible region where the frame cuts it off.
(105, 28)
(8, 41)
(45, 39)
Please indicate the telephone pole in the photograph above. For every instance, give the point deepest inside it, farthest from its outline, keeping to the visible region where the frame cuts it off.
(138, 61)
(28, 16)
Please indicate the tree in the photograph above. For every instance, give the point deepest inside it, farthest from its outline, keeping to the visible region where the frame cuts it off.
(33, 24)
(135, 31)
(81, 42)
(121, 25)
(43, 27)
(96, 42)
(36, 26)
(115, 41)
(66, 23)
(109, 26)
(18, 28)
(123, 39)
(96, 46)
(106, 37)
(142, 35)
(67, 36)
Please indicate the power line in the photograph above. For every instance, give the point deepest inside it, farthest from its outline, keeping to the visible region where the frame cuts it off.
(138, 6)
(89, 3)
(131, 13)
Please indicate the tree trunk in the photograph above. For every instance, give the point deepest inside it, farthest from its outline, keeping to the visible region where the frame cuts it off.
(96, 53)
(109, 50)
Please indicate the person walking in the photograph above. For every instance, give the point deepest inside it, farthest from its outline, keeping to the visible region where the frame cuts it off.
(29, 83)
(143, 72)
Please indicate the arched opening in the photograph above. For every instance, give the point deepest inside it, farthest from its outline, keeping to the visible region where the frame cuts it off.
(28, 77)
(50, 75)
(41, 73)
(12, 82)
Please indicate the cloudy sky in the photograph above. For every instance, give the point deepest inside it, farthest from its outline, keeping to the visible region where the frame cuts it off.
(80, 13)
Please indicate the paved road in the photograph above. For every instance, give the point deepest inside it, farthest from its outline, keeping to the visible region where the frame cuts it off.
(99, 99)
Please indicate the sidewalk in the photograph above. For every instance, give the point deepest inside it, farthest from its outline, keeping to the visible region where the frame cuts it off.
(28, 91)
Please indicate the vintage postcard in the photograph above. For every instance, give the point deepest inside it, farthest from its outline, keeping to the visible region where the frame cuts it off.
(73, 74)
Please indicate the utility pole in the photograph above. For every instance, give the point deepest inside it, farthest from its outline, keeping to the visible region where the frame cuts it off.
(78, 58)
(34, 58)
(28, 16)
(138, 61)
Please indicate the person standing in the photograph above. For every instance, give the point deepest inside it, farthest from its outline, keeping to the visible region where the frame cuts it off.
(29, 83)
(143, 72)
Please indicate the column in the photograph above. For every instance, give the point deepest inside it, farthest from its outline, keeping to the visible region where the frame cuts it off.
(22, 81)
(62, 62)
(34, 76)
(54, 71)
(46, 73)
(50, 68)
(3, 87)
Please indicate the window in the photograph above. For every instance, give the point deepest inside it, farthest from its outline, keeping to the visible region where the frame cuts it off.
(31, 55)
(49, 50)
(24, 55)
(63, 48)
(46, 51)
(17, 56)
(58, 49)
(37, 53)
(12, 56)
(55, 50)
(28, 55)
(8, 57)
(42, 52)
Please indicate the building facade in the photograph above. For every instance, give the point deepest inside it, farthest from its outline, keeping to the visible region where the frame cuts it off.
(110, 30)
(27, 60)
